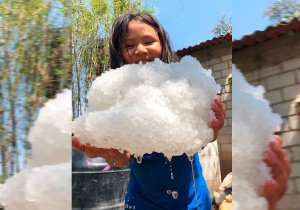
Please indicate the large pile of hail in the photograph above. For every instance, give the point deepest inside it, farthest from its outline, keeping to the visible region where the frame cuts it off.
(155, 107)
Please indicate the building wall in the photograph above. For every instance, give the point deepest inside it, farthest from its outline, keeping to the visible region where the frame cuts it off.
(276, 65)
(218, 58)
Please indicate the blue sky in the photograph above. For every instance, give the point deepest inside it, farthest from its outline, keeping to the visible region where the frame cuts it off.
(248, 17)
(190, 22)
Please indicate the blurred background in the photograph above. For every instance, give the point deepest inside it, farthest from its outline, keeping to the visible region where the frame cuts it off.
(35, 64)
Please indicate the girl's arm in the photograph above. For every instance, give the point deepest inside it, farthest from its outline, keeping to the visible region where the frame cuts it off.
(116, 159)
(112, 156)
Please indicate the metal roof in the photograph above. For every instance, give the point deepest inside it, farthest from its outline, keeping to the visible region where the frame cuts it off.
(269, 33)
(208, 43)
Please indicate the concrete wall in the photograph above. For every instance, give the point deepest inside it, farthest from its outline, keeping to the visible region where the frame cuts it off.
(218, 58)
(276, 65)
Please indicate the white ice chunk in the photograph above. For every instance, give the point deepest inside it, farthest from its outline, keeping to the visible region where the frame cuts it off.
(35, 188)
(50, 135)
(155, 107)
(46, 182)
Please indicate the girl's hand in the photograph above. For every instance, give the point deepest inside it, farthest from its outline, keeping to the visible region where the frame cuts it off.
(112, 156)
(275, 158)
(77, 145)
(220, 113)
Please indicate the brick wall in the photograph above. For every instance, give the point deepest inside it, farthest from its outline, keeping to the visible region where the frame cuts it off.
(218, 58)
(276, 65)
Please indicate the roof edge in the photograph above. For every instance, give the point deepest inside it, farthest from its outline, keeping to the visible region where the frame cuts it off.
(206, 44)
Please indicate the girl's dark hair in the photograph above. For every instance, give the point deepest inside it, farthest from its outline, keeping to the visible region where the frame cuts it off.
(119, 31)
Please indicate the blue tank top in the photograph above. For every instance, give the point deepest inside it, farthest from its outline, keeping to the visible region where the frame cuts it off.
(159, 184)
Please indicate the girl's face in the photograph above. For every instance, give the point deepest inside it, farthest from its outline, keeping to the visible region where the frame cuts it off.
(141, 43)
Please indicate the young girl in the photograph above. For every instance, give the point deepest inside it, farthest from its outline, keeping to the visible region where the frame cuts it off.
(155, 183)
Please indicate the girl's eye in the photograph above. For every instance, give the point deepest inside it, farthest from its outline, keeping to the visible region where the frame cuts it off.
(129, 46)
(149, 42)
